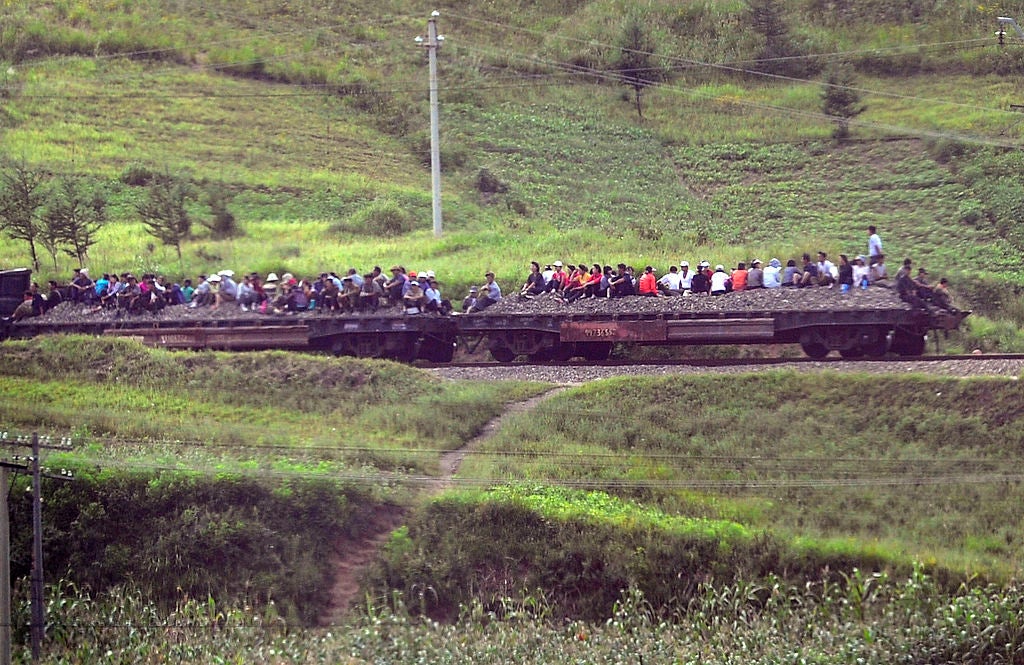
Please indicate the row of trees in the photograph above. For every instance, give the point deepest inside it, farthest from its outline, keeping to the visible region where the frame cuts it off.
(53, 213)
(64, 213)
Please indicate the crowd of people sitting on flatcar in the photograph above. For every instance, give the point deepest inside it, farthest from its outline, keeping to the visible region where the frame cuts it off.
(414, 293)
(572, 282)
(417, 293)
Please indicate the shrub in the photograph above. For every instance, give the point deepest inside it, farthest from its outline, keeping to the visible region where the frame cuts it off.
(137, 175)
(488, 183)
(383, 217)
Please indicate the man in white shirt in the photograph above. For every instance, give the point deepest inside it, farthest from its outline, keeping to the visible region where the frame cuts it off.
(685, 277)
(827, 271)
(669, 284)
(874, 245)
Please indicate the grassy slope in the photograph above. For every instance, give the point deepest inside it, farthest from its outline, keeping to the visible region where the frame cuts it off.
(905, 448)
(272, 411)
(591, 177)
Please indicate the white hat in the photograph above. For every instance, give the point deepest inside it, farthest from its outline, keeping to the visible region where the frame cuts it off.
(272, 277)
(84, 271)
(213, 278)
(755, 262)
(558, 264)
(227, 273)
(719, 267)
(684, 264)
(430, 274)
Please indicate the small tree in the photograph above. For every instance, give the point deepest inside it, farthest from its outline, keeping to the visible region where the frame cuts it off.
(20, 201)
(840, 100)
(75, 213)
(780, 54)
(164, 211)
(637, 65)
(222, 222)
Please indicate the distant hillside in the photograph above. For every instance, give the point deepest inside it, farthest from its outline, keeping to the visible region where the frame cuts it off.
(311, 120)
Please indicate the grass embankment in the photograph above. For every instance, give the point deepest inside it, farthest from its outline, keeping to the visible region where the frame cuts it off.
(242, 411)
(742, 477)
(230, 475)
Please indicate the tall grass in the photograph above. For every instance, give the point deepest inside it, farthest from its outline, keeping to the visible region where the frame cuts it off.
(863, 619)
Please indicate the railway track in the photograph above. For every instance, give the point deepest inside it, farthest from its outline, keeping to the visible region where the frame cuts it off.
(731, 362)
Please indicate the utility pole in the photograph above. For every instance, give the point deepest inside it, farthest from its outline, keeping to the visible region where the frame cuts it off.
(37, 620)
(433, 43)
(37, 553)
(5, 564)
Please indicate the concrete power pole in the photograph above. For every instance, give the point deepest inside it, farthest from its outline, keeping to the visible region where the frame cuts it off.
(433, 43)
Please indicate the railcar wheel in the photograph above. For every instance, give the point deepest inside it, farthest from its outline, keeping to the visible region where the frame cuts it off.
(595, 351)
(816, 350)
(437, 349)
(908, 344)
(543, 355)
(503, 354)
(564, 351)
(876, 347)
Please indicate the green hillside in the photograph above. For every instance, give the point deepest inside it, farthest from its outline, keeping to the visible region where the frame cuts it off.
(313, 118)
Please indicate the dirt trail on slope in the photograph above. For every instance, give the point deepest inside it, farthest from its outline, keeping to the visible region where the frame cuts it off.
(353, 554)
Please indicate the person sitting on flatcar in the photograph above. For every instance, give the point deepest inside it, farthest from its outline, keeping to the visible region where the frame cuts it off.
(435, 303)
(719, 279)
(559, 278)
(534, 285)
(24, 310)
(671, 284)
(755, 275)
(414, 301)
(791, 273)
(370, 293)
(82, 287)
(861, 273)
(329, 300)
(700, 284)
(809, 275)
(648, 283)
(128, 297)
(54, 297)
(470, 299)
(350, 295)
(773, 274)
(739, 276)
(395, 287)
(622, 283)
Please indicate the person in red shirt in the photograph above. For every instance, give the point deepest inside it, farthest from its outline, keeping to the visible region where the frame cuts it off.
(648, 282)
(739, 277)
(559, 278)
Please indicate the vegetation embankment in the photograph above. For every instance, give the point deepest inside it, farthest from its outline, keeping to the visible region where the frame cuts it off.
(868, 620)
(235, 473)
(742, 477)
(739, 489)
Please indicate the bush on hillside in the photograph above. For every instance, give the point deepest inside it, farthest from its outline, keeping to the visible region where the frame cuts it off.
(383, 218)
(137, 175)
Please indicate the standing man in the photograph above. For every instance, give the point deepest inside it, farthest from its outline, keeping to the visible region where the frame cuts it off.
(874, 245)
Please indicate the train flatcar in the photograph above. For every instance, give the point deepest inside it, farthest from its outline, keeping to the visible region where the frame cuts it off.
(871, 322)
